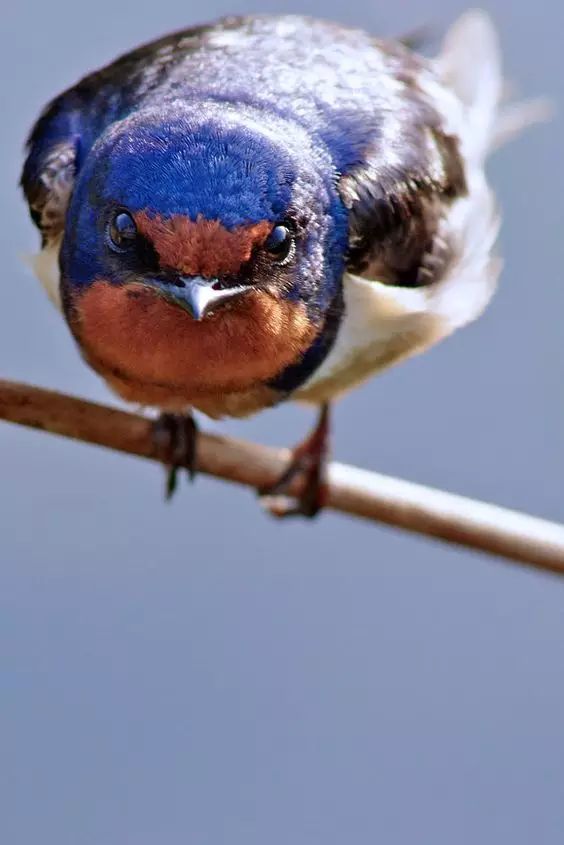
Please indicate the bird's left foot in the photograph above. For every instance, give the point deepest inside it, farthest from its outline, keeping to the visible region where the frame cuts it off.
(175, 437)
(309, 460)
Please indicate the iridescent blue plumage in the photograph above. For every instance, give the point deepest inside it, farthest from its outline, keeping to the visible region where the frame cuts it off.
(325, 78)
(365, 160)
(248, 120)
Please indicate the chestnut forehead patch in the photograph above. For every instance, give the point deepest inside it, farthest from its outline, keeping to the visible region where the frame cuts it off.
(201, 247)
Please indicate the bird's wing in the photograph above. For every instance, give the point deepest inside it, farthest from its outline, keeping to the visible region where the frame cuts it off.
(47, 182)
(429, 269)
(48, 186)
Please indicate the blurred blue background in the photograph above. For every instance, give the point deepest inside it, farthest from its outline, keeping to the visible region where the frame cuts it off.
(195, 673)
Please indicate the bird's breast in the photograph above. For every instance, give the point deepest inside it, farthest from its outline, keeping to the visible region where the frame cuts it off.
(153, 352)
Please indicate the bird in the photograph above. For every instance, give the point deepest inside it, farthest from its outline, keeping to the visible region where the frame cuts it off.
(269, 208)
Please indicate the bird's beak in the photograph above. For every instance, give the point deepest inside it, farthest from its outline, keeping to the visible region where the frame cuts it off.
(199, 296)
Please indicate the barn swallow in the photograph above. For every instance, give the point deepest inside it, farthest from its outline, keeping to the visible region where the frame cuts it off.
(268, 208)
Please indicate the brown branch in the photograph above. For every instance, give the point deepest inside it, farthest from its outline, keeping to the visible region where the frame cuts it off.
(412, 507)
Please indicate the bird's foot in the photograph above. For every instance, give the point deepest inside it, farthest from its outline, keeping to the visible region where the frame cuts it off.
(309, 460)
(175, 437)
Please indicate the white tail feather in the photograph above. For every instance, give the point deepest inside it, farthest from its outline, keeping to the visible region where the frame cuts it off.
(515, 117)
(470, 64)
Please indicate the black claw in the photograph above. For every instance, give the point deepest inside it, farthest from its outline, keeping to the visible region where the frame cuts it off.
(175, 438)
(309, 461)
(171, 482)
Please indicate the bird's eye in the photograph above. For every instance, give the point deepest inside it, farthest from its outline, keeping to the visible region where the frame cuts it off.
(280, 242)
(122, 231)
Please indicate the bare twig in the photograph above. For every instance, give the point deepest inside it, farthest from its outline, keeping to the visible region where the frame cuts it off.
(412, 507)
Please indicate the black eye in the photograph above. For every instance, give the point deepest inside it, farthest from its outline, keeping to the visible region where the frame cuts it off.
(122, 231)
(280, 242)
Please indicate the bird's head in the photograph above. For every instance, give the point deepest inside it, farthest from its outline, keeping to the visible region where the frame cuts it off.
(201, 249)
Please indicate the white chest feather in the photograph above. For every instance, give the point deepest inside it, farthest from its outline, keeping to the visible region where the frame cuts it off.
(45, 265)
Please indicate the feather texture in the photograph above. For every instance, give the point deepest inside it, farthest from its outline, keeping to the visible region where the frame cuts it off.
(376, 154)
(384, 324)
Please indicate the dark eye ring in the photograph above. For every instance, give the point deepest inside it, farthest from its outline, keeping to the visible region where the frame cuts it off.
(122, 231)
(280, 242)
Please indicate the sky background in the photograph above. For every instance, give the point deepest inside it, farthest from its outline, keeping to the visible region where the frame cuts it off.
(196, 673)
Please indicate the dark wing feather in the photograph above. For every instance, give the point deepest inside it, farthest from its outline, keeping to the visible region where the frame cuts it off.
(49, 191)
(399, 194)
